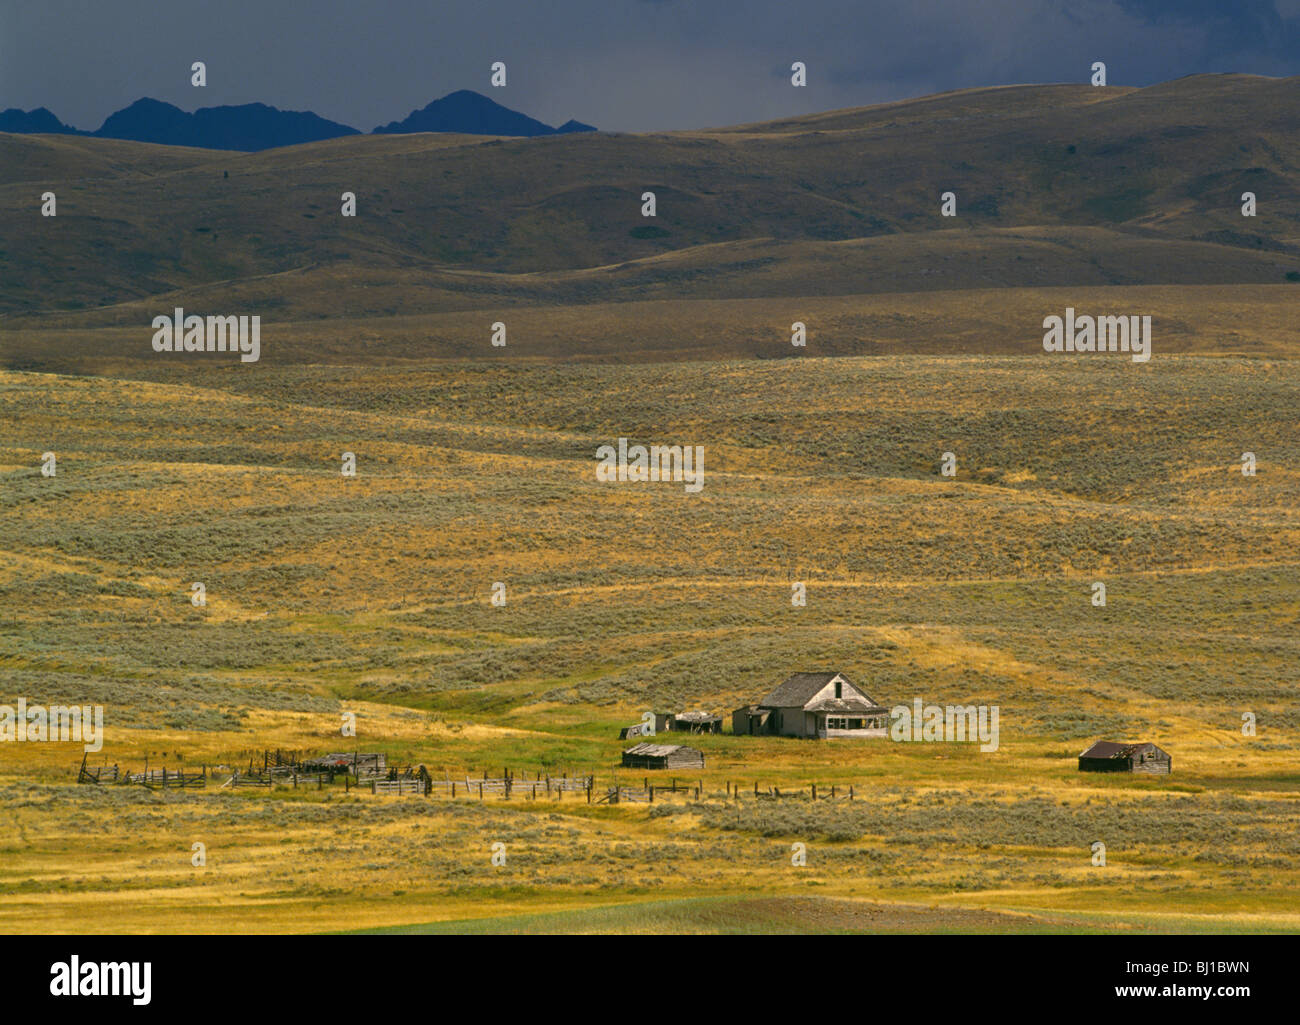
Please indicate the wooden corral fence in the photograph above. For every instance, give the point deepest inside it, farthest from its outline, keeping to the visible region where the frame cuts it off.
(279, 777)
(249, 779)
(541, 787)
(164, 778)
(648, 791)
(99, 774)
(810, 791)
(281, 768)
(280, 759)
(400, 786)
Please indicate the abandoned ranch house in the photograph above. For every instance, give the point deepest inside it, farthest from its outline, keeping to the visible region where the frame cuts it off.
(1105, 756)
(814, 705)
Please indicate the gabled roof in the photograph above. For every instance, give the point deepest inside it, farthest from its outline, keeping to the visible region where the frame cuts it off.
(1109, 749)
(801, 688)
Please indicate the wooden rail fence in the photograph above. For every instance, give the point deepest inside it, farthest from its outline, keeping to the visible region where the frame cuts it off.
(281, 768)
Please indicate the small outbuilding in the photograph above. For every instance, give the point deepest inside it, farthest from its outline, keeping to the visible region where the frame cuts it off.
(662, 756)
(687, 722)
(695, 722)
(1140, 756)
(751, 719)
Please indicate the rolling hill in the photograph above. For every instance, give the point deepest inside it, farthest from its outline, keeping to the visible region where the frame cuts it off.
(1056, 186)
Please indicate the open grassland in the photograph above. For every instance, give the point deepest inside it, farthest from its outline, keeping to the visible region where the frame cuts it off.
(371, 595)
(1220, 320)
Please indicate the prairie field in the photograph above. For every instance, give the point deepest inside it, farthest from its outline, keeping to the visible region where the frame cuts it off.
(371, 594)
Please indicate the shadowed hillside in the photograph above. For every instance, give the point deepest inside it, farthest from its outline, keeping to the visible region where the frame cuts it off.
(1056, 185)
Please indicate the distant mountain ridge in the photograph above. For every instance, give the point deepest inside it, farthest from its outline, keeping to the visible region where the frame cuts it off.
(252, 127)
(33, 122)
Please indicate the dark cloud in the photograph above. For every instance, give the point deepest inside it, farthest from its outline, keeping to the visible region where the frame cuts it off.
(620, 64)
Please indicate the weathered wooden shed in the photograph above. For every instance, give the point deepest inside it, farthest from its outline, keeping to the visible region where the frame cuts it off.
(696, 722)
(750, 720)
(684, 722)
(1138, 756)
(662, 756)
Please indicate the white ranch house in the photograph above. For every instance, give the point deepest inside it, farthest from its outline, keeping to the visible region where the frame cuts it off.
(817, 705)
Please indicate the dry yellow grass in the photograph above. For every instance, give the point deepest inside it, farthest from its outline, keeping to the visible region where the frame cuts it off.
(370, 595)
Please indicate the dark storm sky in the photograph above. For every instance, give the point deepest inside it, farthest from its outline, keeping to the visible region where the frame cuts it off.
(628, 65)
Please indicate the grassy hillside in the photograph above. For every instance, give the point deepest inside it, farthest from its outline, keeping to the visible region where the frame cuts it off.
(1056, 185)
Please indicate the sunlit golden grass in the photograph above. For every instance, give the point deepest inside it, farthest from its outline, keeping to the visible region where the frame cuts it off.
(370, 596)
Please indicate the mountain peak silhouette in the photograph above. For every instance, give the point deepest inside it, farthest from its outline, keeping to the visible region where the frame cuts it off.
(472, 113)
